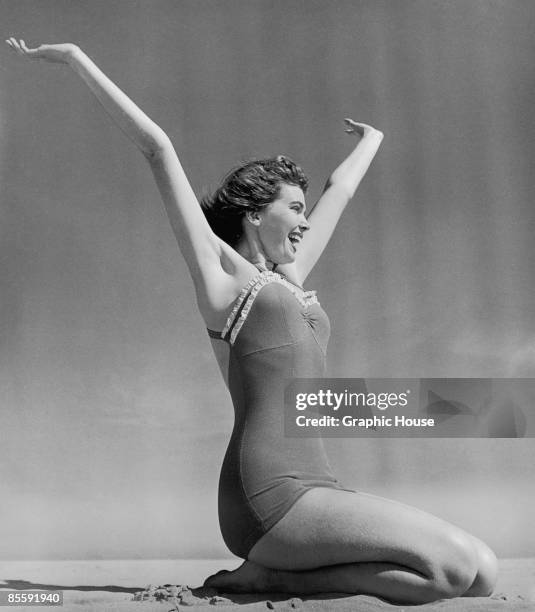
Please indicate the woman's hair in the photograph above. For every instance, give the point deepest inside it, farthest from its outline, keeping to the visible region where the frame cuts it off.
(249, 187)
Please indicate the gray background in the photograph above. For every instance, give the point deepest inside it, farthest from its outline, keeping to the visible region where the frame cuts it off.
(114, 419)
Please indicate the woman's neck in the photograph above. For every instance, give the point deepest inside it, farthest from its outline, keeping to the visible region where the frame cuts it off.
(250, 250)
(263, 265)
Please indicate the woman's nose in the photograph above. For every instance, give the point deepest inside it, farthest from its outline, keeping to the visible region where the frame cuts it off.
(304, 224)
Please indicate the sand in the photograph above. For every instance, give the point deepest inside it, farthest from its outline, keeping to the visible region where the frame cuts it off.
(99, 586)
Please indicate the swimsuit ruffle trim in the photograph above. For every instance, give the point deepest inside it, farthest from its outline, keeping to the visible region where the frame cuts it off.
(247, 296)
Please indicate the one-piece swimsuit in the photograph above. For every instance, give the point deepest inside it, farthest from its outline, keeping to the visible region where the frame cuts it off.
(276, 332)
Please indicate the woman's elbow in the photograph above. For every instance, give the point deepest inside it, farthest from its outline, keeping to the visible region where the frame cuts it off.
(156, 143)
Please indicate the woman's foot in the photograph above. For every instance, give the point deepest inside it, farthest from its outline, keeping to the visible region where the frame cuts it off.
(248, 578)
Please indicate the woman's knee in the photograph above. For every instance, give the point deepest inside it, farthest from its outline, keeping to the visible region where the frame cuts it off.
(455, 567)
(487, 572)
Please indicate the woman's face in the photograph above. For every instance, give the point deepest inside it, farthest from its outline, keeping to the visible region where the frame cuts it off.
(282, 225)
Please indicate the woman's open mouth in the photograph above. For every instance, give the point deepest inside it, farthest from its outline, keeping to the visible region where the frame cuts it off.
(295, 238)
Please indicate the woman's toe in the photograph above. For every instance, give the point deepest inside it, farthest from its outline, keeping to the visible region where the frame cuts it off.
(215, 580)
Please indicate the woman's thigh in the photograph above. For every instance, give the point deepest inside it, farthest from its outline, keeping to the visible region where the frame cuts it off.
(331, 527)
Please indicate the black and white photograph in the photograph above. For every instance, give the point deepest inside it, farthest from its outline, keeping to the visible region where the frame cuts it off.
(267, 305)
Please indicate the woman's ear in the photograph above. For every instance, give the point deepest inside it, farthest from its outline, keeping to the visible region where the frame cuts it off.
(253, 217)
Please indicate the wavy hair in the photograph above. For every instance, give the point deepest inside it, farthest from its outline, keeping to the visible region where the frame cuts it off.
(249, 187)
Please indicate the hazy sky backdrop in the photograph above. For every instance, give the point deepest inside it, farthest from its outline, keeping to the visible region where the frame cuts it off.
(113, 416)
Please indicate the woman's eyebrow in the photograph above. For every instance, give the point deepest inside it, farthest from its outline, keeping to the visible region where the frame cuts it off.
(301, 204)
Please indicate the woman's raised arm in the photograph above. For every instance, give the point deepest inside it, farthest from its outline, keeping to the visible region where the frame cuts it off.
(339, 190)
(199, 245)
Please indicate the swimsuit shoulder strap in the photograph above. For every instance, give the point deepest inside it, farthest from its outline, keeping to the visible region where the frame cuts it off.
(246, 298)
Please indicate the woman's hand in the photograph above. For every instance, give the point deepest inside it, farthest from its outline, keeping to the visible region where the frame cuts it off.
(56, 54)
(362, 129)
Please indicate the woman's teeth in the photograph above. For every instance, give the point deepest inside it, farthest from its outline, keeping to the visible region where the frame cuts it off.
(294, 238)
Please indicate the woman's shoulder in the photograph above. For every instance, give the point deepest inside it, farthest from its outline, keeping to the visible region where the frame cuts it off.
(218, 293)
(290, 272)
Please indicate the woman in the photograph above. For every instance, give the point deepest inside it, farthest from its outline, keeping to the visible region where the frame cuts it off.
(280, 507)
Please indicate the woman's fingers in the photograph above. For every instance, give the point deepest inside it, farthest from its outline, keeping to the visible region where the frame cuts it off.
(349, 126)
(355, 126)
(56, 54)
(20, 47)
(14, 44)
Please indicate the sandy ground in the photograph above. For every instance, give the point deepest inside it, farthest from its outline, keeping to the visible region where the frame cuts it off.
(109, 585)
